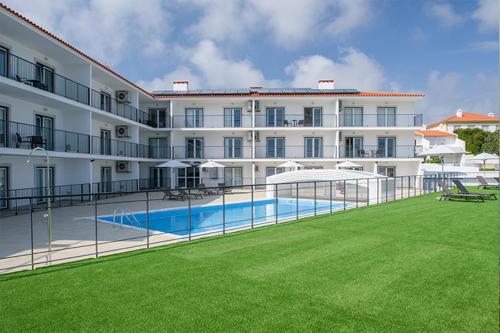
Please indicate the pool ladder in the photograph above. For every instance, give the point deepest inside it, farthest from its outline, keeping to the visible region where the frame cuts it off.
(124, 213)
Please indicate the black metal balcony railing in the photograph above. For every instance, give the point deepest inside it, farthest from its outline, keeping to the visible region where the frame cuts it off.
(41, 77)
(374, 151)
(26, 136)
(107, 103)
(376, 120)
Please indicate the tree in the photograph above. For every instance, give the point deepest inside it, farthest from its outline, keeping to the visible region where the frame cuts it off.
(474, 139)
(490, 144)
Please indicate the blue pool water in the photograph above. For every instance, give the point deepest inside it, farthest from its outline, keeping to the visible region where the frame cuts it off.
(210, 218)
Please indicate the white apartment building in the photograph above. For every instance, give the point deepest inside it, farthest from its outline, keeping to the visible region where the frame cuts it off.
(102, 132)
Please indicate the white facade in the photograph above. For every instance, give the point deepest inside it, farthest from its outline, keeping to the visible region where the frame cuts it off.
(93, 122)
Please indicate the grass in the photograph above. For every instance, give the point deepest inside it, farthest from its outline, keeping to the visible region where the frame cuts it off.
(418, 265)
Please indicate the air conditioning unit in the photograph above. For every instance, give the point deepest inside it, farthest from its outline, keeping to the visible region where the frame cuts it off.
(122, 96)
(122, 166)
(249, 136)
(122, 131)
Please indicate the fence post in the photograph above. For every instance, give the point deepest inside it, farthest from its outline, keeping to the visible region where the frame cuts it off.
(95, 227)
(331, 197)
(276, 203)
(224, 210)
(415, 186)
(378, 190)
(394, 196)
(345, 193)
(420, 183)
(147, 219)
(31, 231)
(368, 191)
(409, 179)
(356, 193)
(402, 188)
(386, 187)
(315, 186)
(297, 202)
(189, 213)
(252, 208)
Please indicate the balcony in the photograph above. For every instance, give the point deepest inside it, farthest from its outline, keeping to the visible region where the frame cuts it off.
(107, 103)
(212, 152)
(44, 78)
(290, 120)
(26, 136)
(296, 152)
(376, 120)
(374, 151)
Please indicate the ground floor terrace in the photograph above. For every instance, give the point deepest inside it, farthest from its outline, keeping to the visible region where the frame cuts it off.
(412, 265)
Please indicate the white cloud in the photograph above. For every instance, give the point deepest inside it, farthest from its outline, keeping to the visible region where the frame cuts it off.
(486, 45)
(447, 92)
(289, 22)
(352, 13)
(444, 13)
(354, 69)
(487, 14)
(181, 73)
(102, 28)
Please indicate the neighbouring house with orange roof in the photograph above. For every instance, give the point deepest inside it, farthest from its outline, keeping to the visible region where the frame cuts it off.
(462, 119)
(426, 139)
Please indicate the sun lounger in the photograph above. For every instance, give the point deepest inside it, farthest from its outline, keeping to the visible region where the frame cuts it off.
(484, 184)
(463, 190)
(193, 193)
(207, 191)
(448, 194)
(497, 179)
(173, 195)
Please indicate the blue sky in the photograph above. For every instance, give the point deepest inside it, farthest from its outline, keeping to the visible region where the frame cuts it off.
(446, 49)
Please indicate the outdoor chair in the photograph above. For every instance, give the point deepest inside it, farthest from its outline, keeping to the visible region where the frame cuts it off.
(463, 190)
(173, 195)
(301, 122)
(448, 194)
(484, 184)
(286, 123)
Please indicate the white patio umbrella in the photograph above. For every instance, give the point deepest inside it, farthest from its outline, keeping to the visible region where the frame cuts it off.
(442, 151)
(348, 165)
(211, 164)
(486, 158)
(290, 164)
(173, 164)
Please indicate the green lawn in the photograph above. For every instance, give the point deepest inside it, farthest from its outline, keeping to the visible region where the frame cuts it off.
(417, 265)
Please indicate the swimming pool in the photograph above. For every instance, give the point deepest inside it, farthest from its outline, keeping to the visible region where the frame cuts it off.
(210, 218)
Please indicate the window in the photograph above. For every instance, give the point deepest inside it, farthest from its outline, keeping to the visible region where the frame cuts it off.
(232, 147)
(233, 176)
(213, 173)
(232, 117)
(194, 147)
(158, 178)
(4, 187)
(158, 148)
(159, 118)
(106, 181)
(44, 77)
(41, 182)
(313, 117)
(275, 147)
(354, 147)
(386, 147)
(4, 61)
(353, 116)
(313, 147)
(388, 171)
(275, 117)
(386, 116)
(3, 126)
(105, 142)
(105, 102)
(45, 130)
(274, 171)
(194, 118)
(188, 177)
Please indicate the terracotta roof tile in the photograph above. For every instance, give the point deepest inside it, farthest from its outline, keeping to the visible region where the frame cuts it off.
(434, 133)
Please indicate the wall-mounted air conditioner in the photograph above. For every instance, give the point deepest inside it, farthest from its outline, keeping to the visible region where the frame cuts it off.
(122, 131)
(122, 96)
(122, 166)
